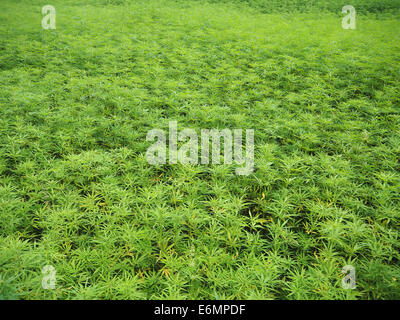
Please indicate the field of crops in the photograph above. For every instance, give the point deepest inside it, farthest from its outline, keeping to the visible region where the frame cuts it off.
(77, 192)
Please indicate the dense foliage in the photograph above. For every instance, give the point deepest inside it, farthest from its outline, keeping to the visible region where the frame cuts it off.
(76, 191)
(363, 6)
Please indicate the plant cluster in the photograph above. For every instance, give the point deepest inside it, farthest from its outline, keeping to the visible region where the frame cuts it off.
(77, 193)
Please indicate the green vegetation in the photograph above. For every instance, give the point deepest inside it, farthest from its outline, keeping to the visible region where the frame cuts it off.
(76, 191)
(271, 6)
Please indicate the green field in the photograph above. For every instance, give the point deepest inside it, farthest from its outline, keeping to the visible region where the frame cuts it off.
(76, 190)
